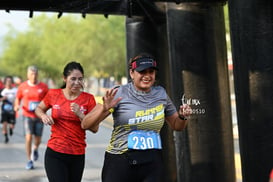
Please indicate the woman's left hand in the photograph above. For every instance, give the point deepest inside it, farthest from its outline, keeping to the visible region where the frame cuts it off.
(75, 108)
(185, 110)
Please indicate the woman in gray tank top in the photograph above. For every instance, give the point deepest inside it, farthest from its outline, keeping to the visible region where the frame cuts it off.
(139, 110)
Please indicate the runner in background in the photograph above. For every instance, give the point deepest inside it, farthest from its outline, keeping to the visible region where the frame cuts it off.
(8, 95)
(2, 86)
(31, 92)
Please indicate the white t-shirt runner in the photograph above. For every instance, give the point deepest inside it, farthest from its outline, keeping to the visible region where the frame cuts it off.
(10, 94)
(138, 119)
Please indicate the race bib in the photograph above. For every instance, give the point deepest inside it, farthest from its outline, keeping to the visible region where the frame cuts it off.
(142, 140)
(7, 107)
(32, 105)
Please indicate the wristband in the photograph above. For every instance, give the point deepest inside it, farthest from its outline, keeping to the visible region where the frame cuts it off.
(111, 110)
(182, 117)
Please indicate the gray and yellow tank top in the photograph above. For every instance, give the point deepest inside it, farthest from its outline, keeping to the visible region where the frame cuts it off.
(138, 111)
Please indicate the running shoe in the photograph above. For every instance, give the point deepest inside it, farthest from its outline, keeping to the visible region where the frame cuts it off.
(29, 165)
(35, 155)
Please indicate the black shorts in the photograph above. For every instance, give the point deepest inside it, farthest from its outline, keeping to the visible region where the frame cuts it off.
(134, 166)
(33, 126)
(62, 167)
(8, 117)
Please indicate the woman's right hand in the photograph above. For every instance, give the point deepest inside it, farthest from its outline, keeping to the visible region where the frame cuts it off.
(100, 111)
(108, 100)
(47, 120)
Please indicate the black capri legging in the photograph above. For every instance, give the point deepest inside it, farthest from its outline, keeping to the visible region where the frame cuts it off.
(142, 166)
(63, 167)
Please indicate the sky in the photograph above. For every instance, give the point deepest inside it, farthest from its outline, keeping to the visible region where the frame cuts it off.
(18, 19)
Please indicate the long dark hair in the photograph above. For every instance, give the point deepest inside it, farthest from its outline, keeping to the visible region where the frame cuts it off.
(8, 77)
(73, 65)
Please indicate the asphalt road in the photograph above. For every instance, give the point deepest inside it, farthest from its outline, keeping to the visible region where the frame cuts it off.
(13, 157)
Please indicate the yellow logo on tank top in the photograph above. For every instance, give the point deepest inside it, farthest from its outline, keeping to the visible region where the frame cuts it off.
(154, 113)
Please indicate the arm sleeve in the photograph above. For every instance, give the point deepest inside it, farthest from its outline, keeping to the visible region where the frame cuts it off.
(19, 93)
(170, 108)
(92, 103)
(47, 99)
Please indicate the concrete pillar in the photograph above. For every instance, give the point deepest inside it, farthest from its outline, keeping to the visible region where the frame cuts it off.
(198, 67)
(252, 49)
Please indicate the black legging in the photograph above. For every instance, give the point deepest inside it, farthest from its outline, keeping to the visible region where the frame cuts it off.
(63, 167)
(119, 168)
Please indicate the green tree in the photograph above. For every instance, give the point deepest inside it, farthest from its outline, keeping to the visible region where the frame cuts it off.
(226, 13)
(98, 43)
